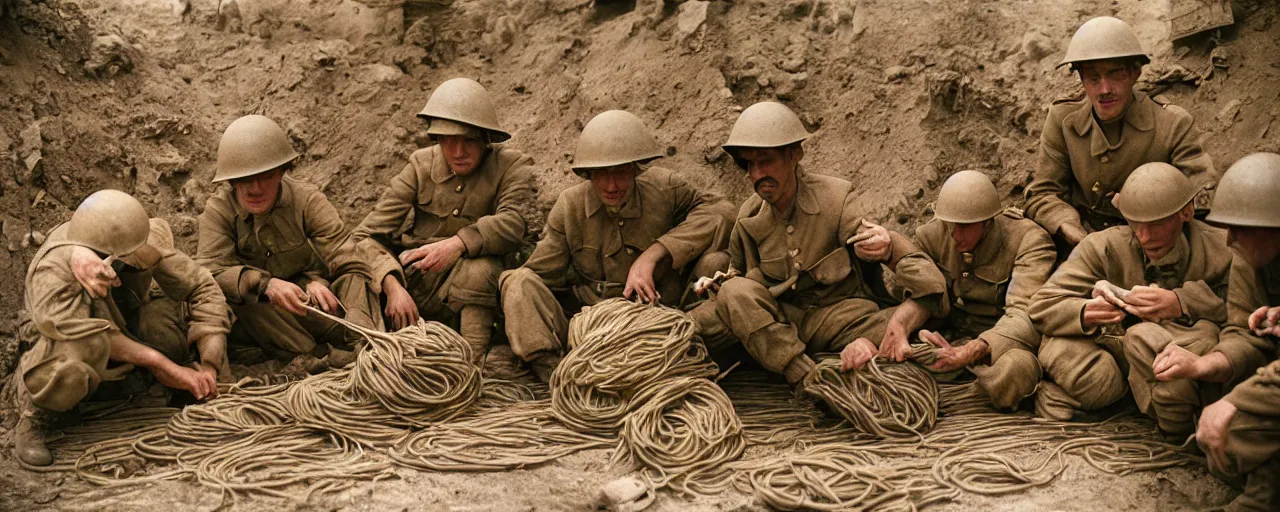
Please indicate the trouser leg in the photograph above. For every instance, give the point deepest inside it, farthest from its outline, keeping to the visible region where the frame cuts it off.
(1086, 373)
(1172, 404)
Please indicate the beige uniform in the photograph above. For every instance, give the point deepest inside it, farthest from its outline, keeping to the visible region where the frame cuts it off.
(990, 289)
(1080, 171)
(831, 303)
(300, 240)
(586, 253)
(1089, 365)
(427, 203)
(176, 301)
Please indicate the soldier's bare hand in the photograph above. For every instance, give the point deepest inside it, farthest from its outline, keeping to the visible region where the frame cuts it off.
(856, 355)
(894, 346)
(286, 296)
(1265, 321)
(640, 281)
(1097, 311)
(94, 273)
(951, 358)
(1175, 362)
(1072, 233)
(1109, 291)
(705, 284)
(872, 242)
(401, 308)
(1211, 433)
(324, 298)
(1153, 304)
(199, 384)
(435, 256)
(209, 376)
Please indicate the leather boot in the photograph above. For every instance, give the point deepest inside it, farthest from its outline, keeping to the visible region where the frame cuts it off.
(477, 329)
(28, 442)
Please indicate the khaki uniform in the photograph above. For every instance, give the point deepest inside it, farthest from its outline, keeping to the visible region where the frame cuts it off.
(427, 203)
(1080, 171)
(586, 253)
(176, 301)
(831, 304)
(990, 289)
(1253, 442)
(1089, 366)
(301, 239)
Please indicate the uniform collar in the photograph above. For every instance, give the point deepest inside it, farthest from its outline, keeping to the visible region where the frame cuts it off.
(284, 200)
(806, 199)
(632, 209)
(1139, 116)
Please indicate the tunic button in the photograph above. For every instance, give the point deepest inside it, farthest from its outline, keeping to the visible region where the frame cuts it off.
(959, 301)
(1105, 159)
(964, 274)
(268, 254)
(1096, 187)
(458, 189)
(791, 229)
(455, 212)
(621, 222)
(797, 264)
(631, 251)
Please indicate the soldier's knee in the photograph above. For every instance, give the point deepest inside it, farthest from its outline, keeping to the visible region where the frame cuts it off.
(738, 292)
(1146, 336)
(68, 375)
(480, 274)
(711, 263)
(517, 280)
(1012, 377)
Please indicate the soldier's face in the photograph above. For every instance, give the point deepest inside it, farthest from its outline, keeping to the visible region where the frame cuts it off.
(613, 184)
(1258, 246)
(772, 172)
(1158, 237)
(258, 193)
(463, 153)
(1109, 85)
(967, 236)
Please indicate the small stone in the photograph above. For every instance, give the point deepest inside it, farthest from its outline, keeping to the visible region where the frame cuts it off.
(37, 238)
(1036, 46)
(895, 73)
(692, 15)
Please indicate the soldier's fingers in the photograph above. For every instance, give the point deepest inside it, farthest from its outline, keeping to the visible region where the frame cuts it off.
(858, 238)
(1273, 316)
(1256, 317)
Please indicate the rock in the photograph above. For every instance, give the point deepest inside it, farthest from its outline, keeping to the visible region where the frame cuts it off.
(35, 167)
(229, 16)
(110, 55)
(380, 73)
(37, 238)
(796, 9)
(501, 32)
(690, 17)
(1036, 46)
(31, 139)
(185, 225)
(180, 7)
(399, 133)
(1219, 57)
(794, 54)
(623, 490)
(896, 73)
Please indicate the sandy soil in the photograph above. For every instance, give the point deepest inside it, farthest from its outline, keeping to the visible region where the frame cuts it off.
(132, 94)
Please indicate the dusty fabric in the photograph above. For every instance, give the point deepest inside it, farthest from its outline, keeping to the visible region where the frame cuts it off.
(72, 351)
(1079, 171)
(1250, 289)
(302, 239)
(427, 202)
(1090, 370)
(1253, 438)
(1174, 403)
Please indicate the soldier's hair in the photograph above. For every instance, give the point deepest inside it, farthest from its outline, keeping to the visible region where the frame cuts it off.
(1134, 63)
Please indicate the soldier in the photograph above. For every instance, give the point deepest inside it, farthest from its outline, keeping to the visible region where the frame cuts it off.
(632, 230)
(800, 289)
(1240, 434)
(993, 262)
(451, 215)
(78, 303)
(1097, 330)
(1090, 144)
(273, 244)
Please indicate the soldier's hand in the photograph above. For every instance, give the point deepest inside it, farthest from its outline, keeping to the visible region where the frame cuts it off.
(640, 281)
(1265, 321)
(1175, 362)
(286, 296)
(435, 256)
(209, 377)
(855, 355)
(1109, 291)
(401, 309)
(324, 298)
(1211, 433)
(705, 284)
(1152, 303)
(894, 346)
(94, 274)
(951, 358)
(1072, 233)
(198, 383)
(1097, 311)
(872, 242)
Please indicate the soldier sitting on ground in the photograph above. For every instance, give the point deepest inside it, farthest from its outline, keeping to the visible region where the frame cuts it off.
(108, 287)
(633, 230)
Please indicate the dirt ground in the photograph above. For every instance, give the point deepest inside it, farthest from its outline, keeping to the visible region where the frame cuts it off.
(133, 94)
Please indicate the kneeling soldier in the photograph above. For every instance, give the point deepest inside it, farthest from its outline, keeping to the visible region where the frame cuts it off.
(80, 305)
(993, 261)
(631, 231)
(1125, 294)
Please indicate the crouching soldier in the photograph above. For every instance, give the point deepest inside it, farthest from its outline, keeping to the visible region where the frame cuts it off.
(1125, 294)
(108, 265)
(1240, 433)
(273, 244)
(631, 231)
(801, 290)
(993, 261)
(451, 215)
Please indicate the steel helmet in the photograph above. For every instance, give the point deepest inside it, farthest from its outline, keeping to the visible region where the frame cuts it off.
(612, 138)
(1103, 37)
(1154, 191)
(252, 145)
(1247, 194)
(967, 197)
(767, 124)
(465, 101)
(110, 222)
